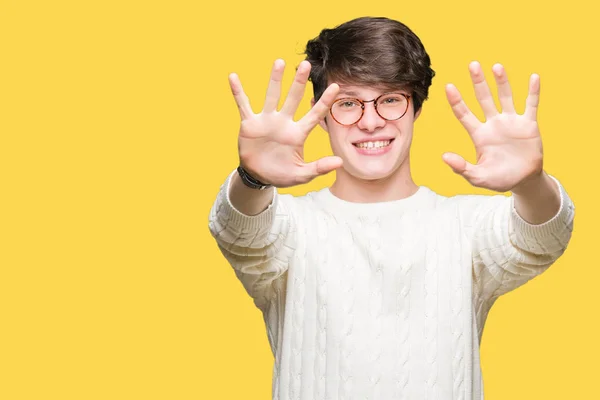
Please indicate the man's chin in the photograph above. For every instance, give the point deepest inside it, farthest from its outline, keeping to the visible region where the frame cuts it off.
(372, 174)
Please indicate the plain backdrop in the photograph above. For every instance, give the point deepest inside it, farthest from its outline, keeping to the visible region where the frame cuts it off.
(117, 127)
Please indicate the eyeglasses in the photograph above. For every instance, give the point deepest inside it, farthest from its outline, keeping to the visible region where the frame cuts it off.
(389, 106)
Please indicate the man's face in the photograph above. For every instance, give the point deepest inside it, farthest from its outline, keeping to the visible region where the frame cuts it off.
(387, 142)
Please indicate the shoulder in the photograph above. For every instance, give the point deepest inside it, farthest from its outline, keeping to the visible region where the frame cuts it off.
(474, 201)
(310, 202)
(467, 208)
(442, 201)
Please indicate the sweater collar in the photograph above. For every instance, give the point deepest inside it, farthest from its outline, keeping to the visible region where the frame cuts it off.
(335, 204)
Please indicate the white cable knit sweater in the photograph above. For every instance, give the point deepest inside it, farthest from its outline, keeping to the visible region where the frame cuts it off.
(383, 300)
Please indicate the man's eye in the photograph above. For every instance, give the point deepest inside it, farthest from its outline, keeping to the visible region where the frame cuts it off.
(348, 104)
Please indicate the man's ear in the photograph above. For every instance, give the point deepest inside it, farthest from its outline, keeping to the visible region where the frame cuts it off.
(323, 122)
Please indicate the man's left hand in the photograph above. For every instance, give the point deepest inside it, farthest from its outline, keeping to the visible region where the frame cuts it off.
(508, 145)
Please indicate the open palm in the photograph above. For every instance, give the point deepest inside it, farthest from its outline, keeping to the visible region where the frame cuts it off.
(508, 145)
(271, 143)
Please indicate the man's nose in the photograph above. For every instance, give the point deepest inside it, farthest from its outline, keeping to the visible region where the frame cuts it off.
(370, 120)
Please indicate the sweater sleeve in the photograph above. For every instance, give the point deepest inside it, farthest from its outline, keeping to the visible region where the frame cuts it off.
(508, 251)
(258, 247)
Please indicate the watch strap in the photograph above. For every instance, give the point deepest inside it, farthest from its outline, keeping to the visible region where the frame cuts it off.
(250, 181)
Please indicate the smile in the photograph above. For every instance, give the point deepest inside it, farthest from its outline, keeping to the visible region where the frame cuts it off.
(373, 145)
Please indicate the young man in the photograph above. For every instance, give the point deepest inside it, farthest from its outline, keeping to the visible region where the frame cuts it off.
(377, 288)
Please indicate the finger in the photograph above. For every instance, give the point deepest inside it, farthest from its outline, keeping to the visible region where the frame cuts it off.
(320, 109)
(322, 166)
(461, 167)
(504, 90)
(274, 88)
(482, 90)
(460, 109)
(297, 90)
(533, 99)
(240, 97)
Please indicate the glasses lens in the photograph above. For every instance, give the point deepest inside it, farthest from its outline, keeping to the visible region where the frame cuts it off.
(346, 111)
(392, 106)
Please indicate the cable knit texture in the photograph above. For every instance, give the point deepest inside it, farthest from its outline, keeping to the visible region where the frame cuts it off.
(383, 300)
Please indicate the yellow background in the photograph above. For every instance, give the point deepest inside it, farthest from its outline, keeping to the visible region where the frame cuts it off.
(118, 127)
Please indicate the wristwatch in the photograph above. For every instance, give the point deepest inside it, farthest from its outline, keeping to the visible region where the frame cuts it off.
(251, 182)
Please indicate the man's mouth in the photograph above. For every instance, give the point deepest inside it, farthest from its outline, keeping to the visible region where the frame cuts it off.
(378, 144)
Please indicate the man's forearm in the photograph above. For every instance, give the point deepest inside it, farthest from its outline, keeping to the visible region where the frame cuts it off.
(246, 200)
(537, 200)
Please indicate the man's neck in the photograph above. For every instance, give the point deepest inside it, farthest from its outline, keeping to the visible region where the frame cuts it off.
(397, 186)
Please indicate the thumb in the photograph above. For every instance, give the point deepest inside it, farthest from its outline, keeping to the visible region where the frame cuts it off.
(322, 166)
(459, 165)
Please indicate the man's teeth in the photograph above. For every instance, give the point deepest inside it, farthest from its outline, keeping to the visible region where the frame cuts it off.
(373, 145)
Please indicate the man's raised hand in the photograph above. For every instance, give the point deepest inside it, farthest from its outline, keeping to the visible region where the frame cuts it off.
(271, 143)
(508, 145)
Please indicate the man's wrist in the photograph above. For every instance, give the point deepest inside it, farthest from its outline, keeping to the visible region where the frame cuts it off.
(251, 181)
(533, 185)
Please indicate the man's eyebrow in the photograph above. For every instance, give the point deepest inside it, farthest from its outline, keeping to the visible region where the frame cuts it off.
(355, 94)
(348, 92)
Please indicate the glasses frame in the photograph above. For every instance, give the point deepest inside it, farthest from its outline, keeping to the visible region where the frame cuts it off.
(374, 101)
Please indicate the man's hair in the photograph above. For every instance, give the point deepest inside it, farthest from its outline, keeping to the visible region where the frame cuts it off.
(371, 51)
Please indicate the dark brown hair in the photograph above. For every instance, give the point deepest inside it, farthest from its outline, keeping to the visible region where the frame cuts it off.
(372, 51)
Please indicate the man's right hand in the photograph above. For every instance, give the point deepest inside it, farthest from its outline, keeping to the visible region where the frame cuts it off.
(271, 143)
